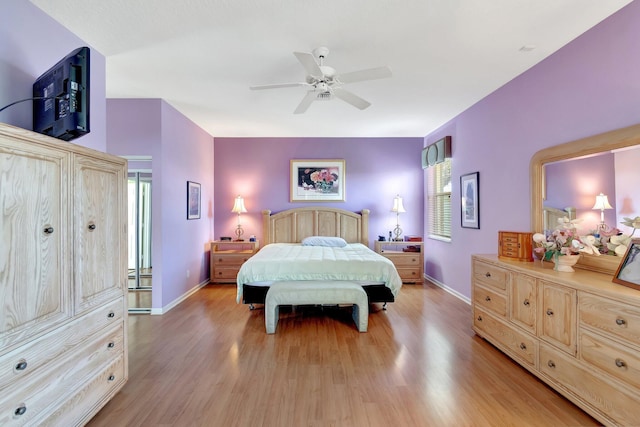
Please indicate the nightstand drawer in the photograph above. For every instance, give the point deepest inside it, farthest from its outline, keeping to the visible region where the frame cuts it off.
(409, 274)
(229, 260)
(225, 273)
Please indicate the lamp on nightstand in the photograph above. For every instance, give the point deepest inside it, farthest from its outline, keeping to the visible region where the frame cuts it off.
(238, 207)
(602, 203)
(398, 208)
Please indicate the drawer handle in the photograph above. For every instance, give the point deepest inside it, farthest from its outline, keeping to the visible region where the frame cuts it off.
(526, 303)
(91, 227)
(111, 377)
(111, 345)
(523, 346)
(21, 366)
(479, 318)
(111, 314)
(620, 363)
(487, 274)
(621, 322)
(20, 410)
(549, 312)
(487, 298)
(551, 364)
(48, 230)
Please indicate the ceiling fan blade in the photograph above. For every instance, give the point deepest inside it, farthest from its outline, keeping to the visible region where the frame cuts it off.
(350, 98)
(362, 75)
(305, 103)
(309, 63)
(277, 85)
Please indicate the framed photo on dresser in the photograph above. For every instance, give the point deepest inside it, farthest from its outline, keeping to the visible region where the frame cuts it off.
(628, 273)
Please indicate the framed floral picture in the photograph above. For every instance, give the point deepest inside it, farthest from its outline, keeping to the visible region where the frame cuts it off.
(628, 273)
(470, 200)
(317, 181)
(193, 200)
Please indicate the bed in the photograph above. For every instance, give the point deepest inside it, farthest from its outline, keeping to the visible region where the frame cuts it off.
(287, 229)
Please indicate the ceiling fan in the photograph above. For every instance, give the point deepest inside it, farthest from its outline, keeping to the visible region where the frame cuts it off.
(325, 84)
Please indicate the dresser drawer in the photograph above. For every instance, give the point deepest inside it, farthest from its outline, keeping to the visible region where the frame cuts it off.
(28, 359)
(610, 317)
(52, 385)
(490, 275)
(613, 403)
(619, 361)
(517, 344)
(488, 299)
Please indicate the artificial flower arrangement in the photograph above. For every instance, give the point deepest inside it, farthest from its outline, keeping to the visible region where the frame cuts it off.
(564, 240)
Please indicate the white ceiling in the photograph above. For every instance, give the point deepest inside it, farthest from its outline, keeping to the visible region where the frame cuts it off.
(201, 56)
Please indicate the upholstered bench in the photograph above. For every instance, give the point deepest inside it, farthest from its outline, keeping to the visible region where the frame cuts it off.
(305, 293)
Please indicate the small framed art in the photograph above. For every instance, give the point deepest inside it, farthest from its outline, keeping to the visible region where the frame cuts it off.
(193, 200)
(470, 200)
(317, 181)
(628, 273)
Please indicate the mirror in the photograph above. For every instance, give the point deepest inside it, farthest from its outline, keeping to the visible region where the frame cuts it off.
(605, 142)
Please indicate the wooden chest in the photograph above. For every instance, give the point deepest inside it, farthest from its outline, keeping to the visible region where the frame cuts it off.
(515, 245)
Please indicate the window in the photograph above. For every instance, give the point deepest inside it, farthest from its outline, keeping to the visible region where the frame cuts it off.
(439, 200)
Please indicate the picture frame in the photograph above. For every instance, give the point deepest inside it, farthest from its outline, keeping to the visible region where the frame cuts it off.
(317, 180)
(193, 200)
(470, 200)
(628, 272)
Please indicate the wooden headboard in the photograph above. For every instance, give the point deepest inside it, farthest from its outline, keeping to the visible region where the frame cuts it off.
(550, 216)
(293, 225)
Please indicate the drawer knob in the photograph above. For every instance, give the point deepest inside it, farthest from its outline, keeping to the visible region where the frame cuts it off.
(549, 312)
(111, 345)
(21, 366)
(526, 303)
(479, 318)
(620, 363)
(487, 298)
(91, 227)
(48, 230)
(20, 410)
(551, 364)
(523, 346)
(487, 274)
(621, 322)
(111, 377)
(111, 314)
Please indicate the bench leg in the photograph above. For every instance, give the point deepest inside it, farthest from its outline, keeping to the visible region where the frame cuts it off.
(271, 315)
(361, 316)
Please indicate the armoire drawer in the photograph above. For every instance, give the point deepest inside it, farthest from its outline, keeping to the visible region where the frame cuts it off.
(24, 402)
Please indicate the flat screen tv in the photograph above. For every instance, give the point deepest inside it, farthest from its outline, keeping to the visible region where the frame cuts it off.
(61, 97)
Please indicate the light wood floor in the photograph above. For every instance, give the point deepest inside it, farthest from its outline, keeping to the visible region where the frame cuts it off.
(208, 362)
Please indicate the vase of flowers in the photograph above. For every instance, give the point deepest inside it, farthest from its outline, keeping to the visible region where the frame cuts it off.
(562, 246)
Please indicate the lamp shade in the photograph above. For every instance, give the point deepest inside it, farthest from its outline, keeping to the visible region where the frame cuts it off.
(397, 205)
(238, 205)
(602, 202)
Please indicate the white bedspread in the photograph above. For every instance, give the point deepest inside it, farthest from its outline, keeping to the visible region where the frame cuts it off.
(294, 262)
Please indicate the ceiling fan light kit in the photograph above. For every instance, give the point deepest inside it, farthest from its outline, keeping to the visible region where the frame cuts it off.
(324, 83)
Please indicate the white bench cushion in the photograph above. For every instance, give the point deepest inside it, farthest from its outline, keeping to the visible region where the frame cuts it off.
(303, 293)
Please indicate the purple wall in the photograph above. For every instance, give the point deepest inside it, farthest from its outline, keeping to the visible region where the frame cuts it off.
(376, 170)
(181, 152)
(32, 42)
(588, 87)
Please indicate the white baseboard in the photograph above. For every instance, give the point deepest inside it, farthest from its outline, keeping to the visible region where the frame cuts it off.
(178, 300)
(448, 289)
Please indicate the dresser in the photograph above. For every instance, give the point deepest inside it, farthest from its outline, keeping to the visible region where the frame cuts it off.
(63, 275)
(226, 258)
(406, 256)
(578, 332)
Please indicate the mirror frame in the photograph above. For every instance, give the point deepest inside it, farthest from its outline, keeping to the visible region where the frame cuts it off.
(607, 141)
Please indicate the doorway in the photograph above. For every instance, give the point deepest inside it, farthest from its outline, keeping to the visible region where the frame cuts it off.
(140, 276)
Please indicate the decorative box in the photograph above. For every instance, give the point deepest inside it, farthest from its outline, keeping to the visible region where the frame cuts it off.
(515, 245)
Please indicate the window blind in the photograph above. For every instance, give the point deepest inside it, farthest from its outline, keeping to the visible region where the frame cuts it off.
(439, 200)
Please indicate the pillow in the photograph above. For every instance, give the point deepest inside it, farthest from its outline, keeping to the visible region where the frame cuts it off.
(335, 242)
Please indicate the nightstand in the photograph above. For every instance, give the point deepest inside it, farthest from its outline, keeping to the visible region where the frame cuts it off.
(408, 257)
(227, 257)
